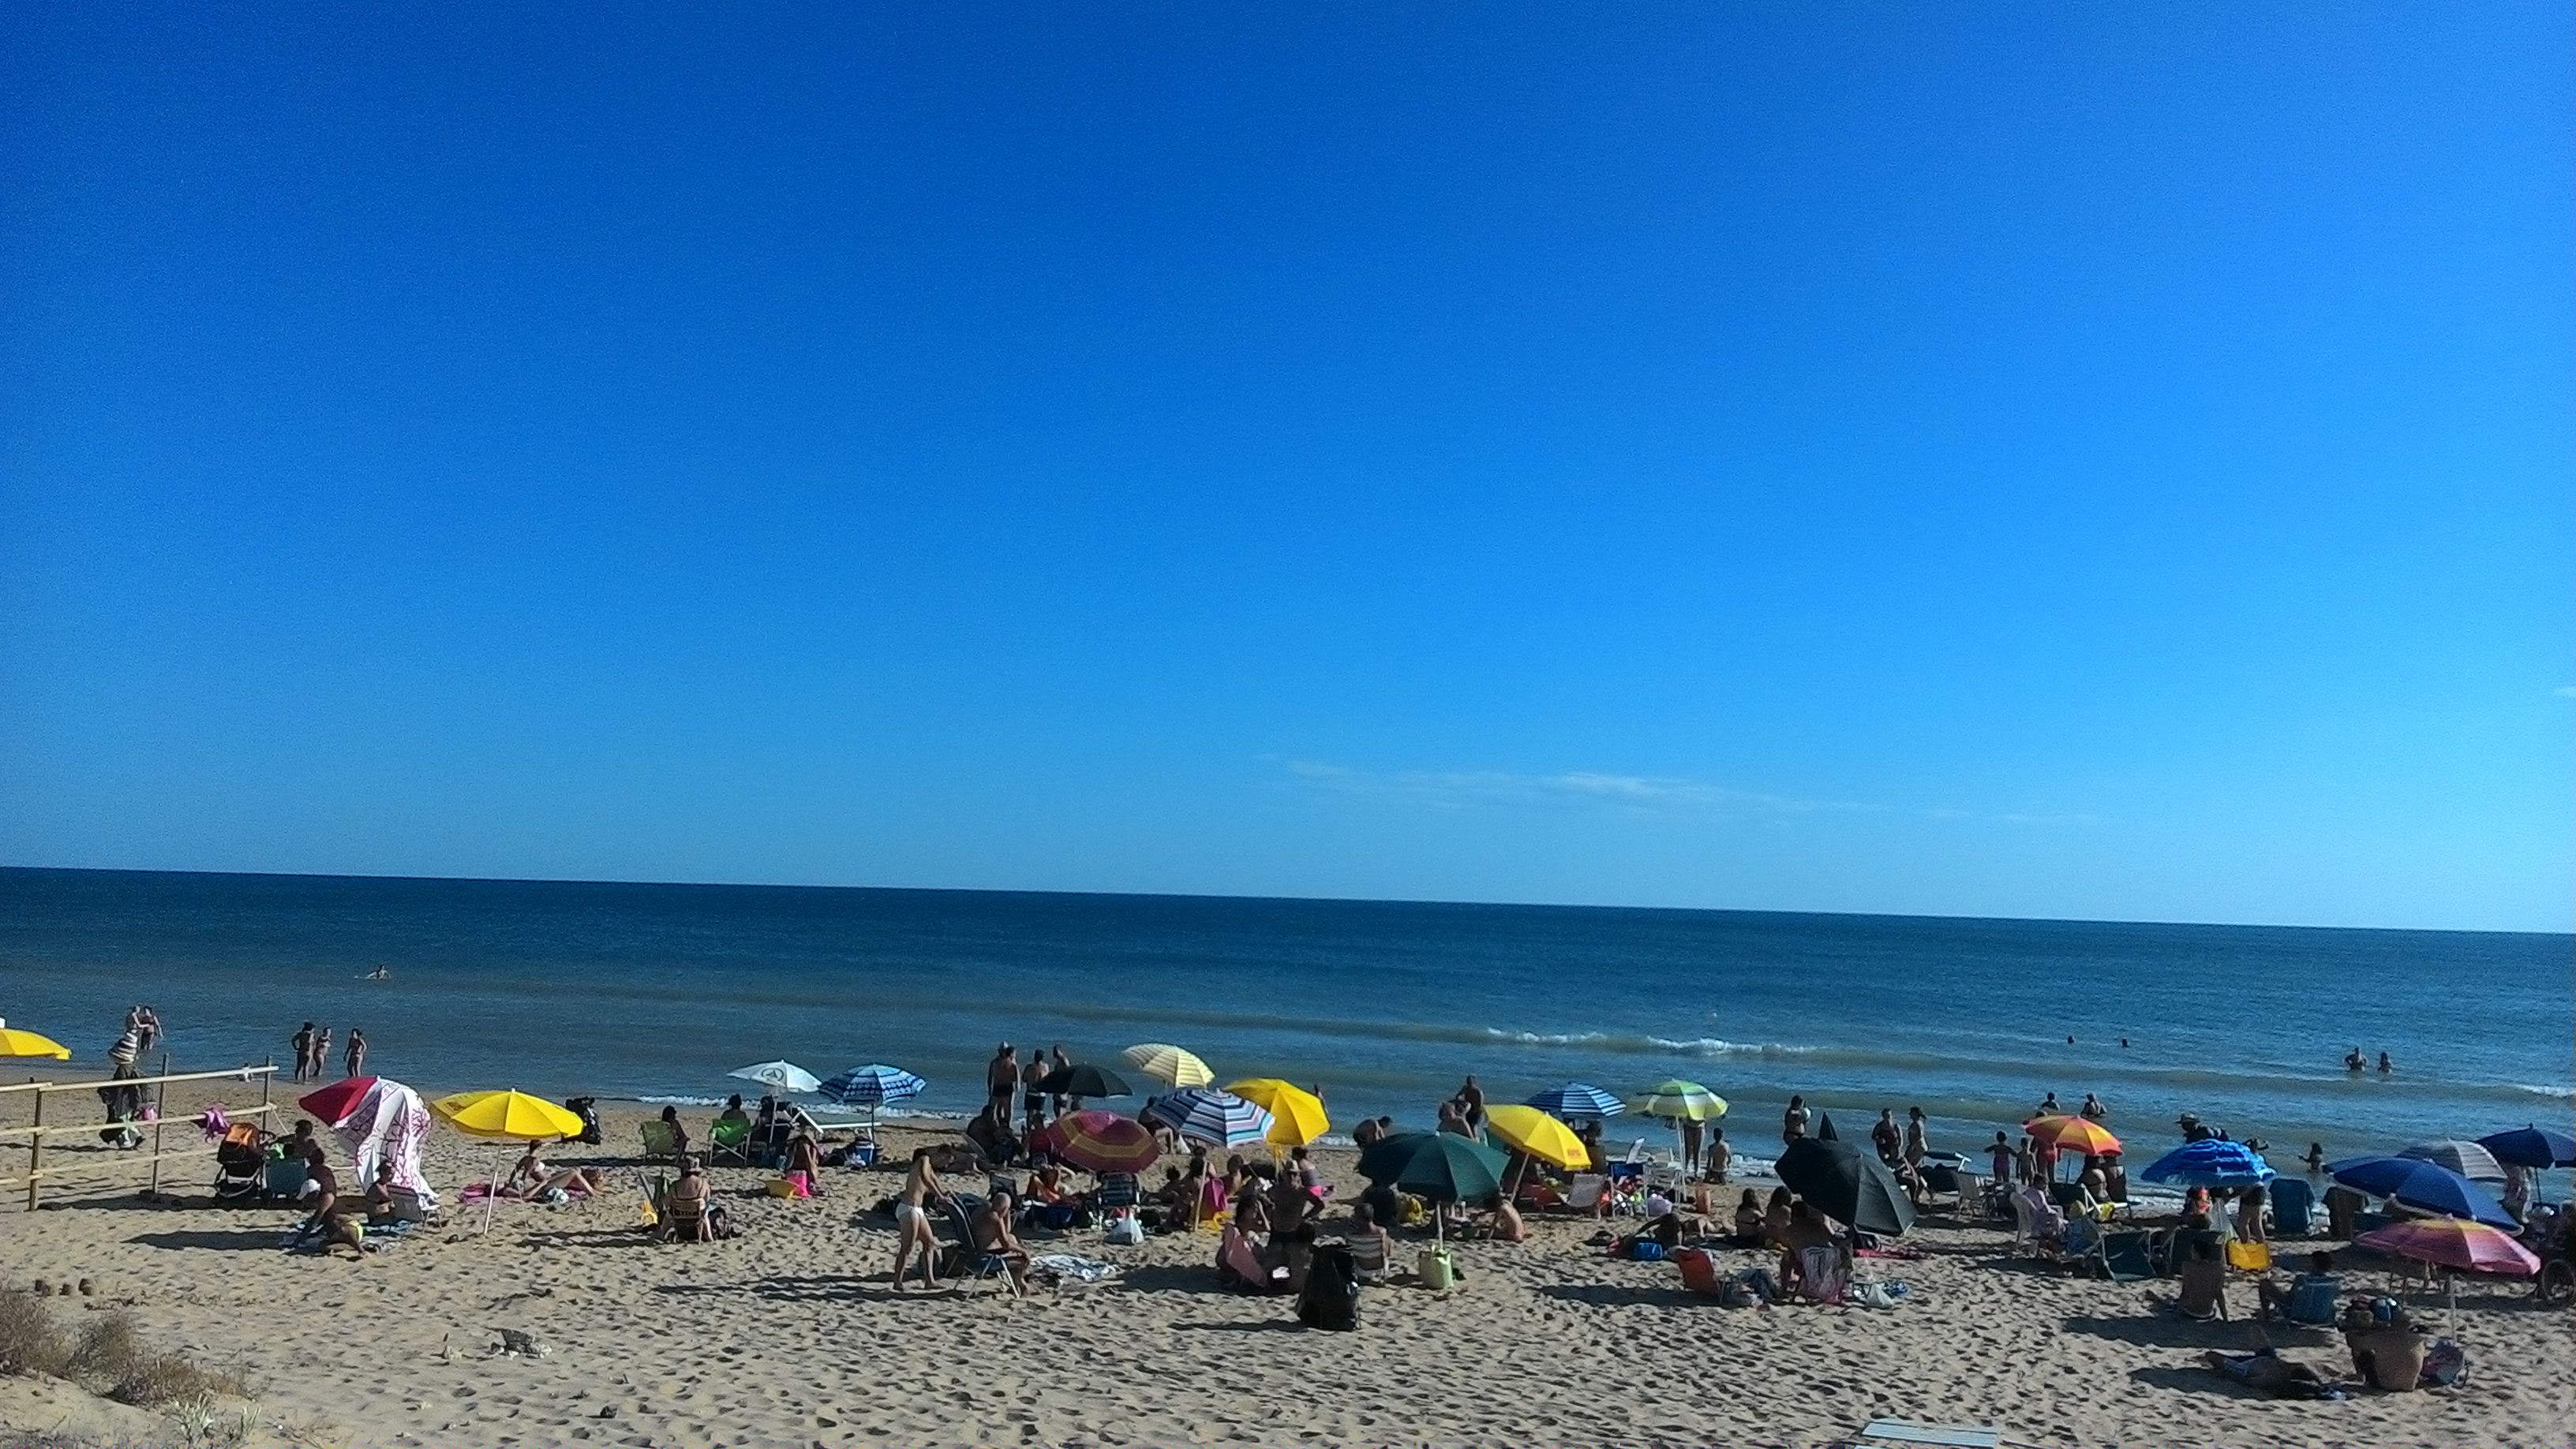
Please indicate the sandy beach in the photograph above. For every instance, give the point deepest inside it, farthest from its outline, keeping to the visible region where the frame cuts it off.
(789, 1334)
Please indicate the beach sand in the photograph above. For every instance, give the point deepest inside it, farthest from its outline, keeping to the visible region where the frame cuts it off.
(790, 1335)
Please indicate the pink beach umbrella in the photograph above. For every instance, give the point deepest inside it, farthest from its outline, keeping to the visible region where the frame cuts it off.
(2471, 1247)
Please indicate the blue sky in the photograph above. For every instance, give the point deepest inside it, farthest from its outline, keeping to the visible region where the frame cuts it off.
(2107, 462)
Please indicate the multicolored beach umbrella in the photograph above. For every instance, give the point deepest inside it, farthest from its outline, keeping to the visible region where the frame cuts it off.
(2073, 1134)
(2471, 1247)
(1204, 1114)
(1575, 1101)
(1678, 1101)
(1168, 1064)
(1099, 1141)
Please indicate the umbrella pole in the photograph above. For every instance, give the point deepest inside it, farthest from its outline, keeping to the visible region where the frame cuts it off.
(491, 1190)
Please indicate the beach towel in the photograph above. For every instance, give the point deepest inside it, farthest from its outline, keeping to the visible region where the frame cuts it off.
(1072, 1269)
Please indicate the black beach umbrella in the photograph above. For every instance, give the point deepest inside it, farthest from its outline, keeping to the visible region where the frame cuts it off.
(1847, 1185)
(1083, 1080)
(1825, 1131)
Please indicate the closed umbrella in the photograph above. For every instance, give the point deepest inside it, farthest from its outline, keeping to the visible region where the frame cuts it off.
(1204, 1114)
(1099, 1141)
(1846, 1184)
(2210, 1163)
(1168, 1064)
(778, 1076)
(1296, 1115)
(2424, 1186)
(1441, 1166)
(2541, 1147)
(2469, 1159)
(1577, 1101)
(1082, 1079)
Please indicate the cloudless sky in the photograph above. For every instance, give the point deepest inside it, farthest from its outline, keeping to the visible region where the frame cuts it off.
(2102, 461)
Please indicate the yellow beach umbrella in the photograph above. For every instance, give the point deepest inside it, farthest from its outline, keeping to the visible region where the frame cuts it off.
(508, 1116)
(1539, 1135)
(1168, 1064)
(1296, 1115)
(16, 1043)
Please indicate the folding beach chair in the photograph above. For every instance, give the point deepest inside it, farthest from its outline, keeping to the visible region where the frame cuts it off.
(659, 1139)
(2124, 1257)
(2292, 1202)
(729, 1144)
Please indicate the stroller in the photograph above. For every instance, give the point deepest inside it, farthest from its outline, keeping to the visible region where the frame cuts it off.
(586, 1109)
(241, 1164)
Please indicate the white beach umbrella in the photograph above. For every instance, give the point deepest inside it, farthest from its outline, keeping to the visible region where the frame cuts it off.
(779, 1077)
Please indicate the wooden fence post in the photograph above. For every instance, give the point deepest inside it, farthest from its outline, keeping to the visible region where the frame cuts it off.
(160, 1099)
(36, 1149)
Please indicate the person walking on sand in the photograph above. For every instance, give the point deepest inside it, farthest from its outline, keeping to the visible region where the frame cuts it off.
(1001, 1079)
(321, 1052)
(1058, 1102)
(304, 1051)
(1691, 1134)
(355, 1059)
(912, 1219)
(1887, 1137)
(1918, 1140)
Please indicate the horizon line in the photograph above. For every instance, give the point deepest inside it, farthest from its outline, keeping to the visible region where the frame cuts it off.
(1316, 899)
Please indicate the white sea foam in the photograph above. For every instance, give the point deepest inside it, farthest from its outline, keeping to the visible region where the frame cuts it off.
(680, 1101)
(1698, 1046)
(2562, 1092)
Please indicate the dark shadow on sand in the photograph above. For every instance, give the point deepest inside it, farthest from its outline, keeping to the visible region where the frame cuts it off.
(234, 1240)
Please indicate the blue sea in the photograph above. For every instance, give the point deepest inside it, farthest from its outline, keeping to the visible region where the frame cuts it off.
(655, 991)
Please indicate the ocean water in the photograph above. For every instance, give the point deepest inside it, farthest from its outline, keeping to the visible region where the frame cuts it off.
(657, 990)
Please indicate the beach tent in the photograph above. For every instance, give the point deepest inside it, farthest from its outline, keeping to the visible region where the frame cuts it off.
(386, 1124)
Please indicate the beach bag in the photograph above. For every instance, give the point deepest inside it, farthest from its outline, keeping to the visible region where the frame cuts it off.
(1646, 1250)
(2247, 1257)
(1331, 1298)
(1125, 1231)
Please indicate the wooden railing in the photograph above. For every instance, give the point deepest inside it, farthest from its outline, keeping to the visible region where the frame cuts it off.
(37, 1130)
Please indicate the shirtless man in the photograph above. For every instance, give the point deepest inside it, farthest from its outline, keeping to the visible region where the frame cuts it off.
(1471, 1106)
(304, 1052)
(1033, 1101)
(1001, 1079)
(912, 1219)
(992, 1229)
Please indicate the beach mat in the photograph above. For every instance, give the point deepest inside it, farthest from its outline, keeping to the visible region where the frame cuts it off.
(1947, 1436)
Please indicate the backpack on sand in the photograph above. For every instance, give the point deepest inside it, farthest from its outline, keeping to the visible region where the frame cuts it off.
(1331, 1297)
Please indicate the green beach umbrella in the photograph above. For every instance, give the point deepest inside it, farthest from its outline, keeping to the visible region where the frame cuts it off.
(1677, 1101)
(1441, 1166)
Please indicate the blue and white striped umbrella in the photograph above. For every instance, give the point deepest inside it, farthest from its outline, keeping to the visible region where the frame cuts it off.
(873, 1086)
(1205, 1114)
(1577, 1100)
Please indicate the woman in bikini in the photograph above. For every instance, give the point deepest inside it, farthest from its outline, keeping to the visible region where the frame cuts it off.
(912, 1219)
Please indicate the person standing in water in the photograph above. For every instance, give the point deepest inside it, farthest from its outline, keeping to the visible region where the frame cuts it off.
(1793, 1122)
(2386, 1064)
